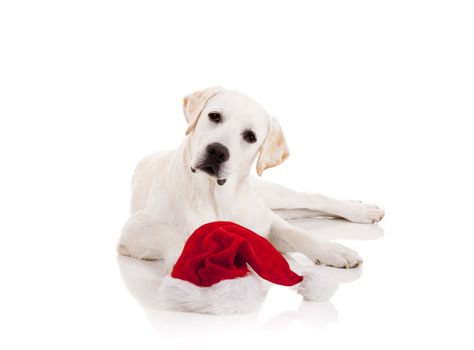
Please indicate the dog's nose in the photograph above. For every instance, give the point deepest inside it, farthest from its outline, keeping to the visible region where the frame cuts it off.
(217, 152)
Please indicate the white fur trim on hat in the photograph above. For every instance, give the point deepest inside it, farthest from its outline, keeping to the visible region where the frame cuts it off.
(238, 295)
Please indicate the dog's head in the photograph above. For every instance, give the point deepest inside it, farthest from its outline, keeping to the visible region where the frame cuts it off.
(228, 131)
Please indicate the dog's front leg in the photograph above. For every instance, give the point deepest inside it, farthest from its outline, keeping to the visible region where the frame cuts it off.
(294, 204)
(287, 239)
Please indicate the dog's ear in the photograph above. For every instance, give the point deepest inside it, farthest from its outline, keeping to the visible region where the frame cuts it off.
(194, 104)
(274, 149)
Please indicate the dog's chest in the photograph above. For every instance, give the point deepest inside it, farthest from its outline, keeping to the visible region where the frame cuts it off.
(239, 210)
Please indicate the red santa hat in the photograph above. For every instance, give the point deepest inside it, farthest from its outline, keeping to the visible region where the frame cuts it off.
(216, 272)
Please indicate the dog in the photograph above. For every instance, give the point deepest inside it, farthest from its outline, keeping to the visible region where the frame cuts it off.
(207, 178)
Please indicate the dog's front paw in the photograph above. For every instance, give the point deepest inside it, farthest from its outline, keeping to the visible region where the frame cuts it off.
(337, 255)
(363, 213)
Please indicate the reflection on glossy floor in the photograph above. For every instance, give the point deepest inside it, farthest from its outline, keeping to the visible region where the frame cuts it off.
(281, 307)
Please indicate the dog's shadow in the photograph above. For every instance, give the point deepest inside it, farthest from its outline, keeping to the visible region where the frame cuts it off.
(143, 278)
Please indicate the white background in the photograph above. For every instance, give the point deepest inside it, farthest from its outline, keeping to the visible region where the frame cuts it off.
(375, 98)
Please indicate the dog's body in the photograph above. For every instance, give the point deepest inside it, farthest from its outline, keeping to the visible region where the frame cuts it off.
(207, 179)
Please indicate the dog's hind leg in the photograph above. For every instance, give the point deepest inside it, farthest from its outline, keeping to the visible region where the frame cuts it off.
(291, 204)
(145, 238)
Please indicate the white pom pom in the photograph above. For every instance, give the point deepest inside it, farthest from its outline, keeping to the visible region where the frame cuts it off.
(317, 287)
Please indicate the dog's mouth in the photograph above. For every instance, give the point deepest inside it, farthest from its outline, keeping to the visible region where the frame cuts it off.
(211, 171)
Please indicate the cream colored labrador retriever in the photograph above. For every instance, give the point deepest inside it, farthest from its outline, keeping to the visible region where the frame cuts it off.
(207, 178)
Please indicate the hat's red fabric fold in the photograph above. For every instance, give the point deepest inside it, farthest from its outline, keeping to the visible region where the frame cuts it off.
(221, 250)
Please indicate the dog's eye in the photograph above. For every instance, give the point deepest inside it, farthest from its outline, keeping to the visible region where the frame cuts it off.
(249, 136)
(215, 117)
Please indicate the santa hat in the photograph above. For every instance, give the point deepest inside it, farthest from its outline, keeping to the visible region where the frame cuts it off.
(212, 275)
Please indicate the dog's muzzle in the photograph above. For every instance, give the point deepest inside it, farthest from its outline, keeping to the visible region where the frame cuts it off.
(216, 154)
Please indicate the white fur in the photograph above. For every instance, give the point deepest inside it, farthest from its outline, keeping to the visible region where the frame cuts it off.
(169, 201)
(239, 295)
